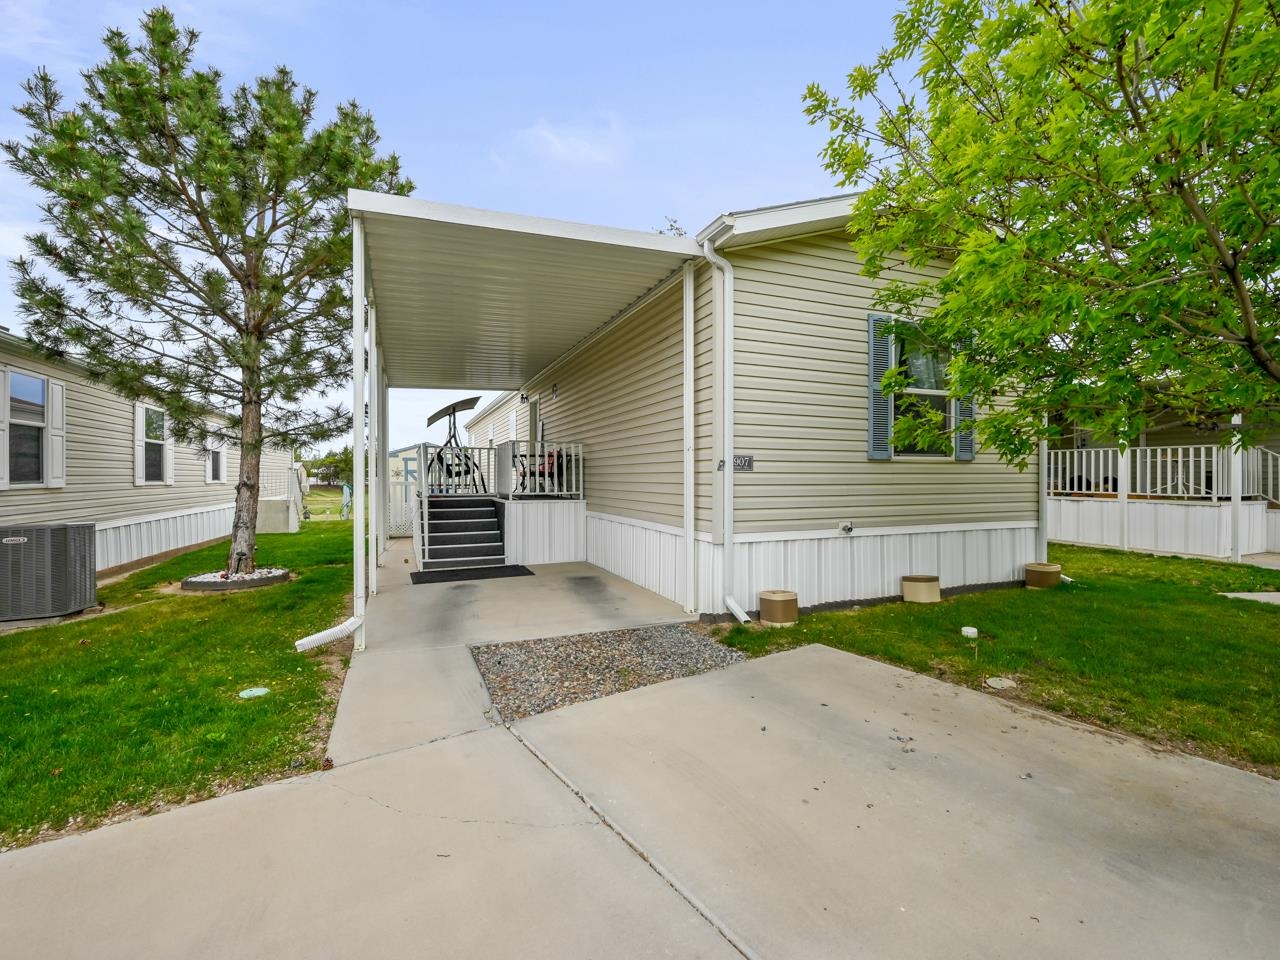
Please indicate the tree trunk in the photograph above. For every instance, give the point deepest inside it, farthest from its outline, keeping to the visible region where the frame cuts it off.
(244, 528)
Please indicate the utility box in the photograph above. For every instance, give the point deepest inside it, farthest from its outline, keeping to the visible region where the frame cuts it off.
(47, 570)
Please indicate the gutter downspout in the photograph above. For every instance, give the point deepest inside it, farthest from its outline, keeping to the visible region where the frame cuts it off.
(687, 427)
(726, 405)
(354, 625)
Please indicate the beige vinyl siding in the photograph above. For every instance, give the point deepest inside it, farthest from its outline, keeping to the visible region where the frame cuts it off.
(704, 392)
(801, 383)
(499, 416)
(621, 397)
(99, 462)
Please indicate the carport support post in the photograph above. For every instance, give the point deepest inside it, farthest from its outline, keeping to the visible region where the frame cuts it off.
(1237, 486)
(375, 444)
(357, 427)
(690, 575)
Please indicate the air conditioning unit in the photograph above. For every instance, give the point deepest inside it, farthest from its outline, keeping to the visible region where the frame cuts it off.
(47, 570)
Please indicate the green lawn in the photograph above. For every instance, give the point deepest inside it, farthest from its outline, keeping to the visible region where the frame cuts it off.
(132, 709)
(1137, 643)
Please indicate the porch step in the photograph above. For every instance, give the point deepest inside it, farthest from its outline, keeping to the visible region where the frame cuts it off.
(461, 513)
(448, 537)
(466, 551)
(446, 503)
(455, 564)
(435, 526)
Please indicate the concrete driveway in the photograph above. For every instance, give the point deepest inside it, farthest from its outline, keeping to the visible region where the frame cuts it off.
(811, 804)
(824, 805)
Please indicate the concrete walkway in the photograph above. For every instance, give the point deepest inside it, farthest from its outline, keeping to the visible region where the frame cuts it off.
(1271, 560)
(465, 848)
(415, 681)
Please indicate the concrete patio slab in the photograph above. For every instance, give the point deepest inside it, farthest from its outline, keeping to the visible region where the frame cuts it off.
(464, 848)
(1269, 597)
(415, 681)
(825, 805)
(1271, 560)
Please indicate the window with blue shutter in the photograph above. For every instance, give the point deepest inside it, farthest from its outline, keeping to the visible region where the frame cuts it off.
(927, 374)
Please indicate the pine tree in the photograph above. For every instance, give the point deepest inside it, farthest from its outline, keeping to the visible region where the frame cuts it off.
(196, 251)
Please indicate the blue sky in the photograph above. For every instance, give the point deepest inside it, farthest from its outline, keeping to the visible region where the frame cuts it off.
(618, 114)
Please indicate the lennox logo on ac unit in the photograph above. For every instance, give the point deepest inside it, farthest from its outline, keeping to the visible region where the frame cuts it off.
(11, 541)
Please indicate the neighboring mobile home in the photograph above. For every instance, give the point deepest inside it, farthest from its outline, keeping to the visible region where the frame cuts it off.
(1170, 492)
(72, 451)
(700, 416)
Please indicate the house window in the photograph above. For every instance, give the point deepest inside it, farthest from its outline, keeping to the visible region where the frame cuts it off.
(27, 423)
(153, 445)
(928, 386)
(215, 466)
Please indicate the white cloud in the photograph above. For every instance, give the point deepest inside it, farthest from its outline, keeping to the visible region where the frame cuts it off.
(602, 143)
(32, 34)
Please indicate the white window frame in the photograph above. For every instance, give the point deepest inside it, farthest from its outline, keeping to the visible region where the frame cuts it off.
(53, 431)
(140, 442)
(214, 446)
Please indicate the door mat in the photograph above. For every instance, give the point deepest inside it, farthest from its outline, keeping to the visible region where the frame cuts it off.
(469, 573)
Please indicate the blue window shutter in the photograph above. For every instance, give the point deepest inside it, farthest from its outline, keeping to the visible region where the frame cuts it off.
(879, 407)
(965, 410)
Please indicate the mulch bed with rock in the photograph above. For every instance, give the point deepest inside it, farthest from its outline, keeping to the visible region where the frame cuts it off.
(532, 676)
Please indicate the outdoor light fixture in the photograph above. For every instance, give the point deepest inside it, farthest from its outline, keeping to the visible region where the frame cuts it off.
(524, 398)
(555, 390)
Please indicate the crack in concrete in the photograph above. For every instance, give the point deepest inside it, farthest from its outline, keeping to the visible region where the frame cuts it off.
(720, 927)
(467, 820)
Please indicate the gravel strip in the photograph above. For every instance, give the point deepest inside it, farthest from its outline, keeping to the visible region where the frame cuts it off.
(533, 676)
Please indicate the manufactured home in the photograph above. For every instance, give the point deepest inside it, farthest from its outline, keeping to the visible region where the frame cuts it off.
(72, 451)
(699, 415)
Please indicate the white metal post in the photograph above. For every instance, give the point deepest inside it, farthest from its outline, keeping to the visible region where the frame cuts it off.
(1042, 531)
(357, 426)
(375, 445)
(1123, 494)
(1237, 487)
(690, 574)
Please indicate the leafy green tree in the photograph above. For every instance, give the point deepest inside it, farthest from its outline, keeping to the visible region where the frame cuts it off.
(333, 467)
(1103, 179)
(197, 248)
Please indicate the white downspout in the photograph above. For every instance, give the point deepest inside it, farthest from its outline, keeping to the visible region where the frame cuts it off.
(353, 625)
(690, 568)
(726, 430)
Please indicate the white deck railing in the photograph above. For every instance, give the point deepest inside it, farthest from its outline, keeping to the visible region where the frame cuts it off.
(1268, 474)
(515, 468)
(528, 469)
(1192, 472)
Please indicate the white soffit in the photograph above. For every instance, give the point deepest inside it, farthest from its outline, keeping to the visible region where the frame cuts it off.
(479, 300)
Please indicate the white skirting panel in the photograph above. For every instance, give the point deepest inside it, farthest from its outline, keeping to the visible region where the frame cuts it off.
(1273, 531)
(545, 531)
(647, 554)
(865, 565)
(1164, 526)
(136, 538)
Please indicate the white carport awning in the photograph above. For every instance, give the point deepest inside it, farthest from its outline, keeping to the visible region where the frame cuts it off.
(473, 299)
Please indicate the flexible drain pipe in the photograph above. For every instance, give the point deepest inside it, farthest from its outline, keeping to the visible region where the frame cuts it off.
(340, 632)
(726, 275)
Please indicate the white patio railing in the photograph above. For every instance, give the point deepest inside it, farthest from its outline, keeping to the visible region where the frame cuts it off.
(282, 485)
(515, 468)
(528, 469)
(1194, 472)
